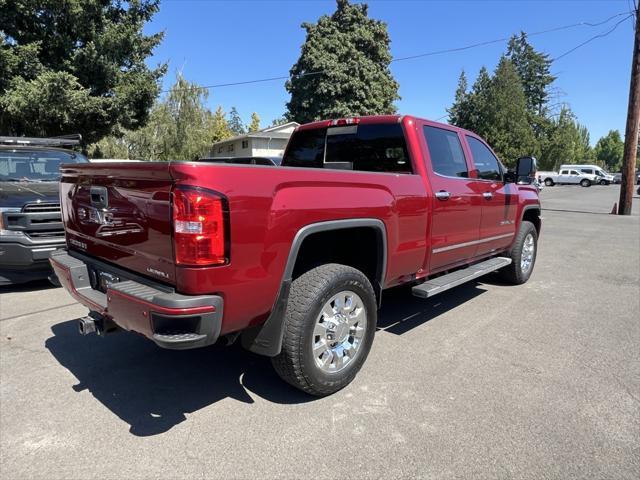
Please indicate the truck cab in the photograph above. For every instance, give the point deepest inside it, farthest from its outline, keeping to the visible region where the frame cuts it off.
(30, 222)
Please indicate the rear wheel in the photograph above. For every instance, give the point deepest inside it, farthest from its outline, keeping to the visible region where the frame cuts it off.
(548, 182)
(523, 255)
(330, 322)
(585, 183)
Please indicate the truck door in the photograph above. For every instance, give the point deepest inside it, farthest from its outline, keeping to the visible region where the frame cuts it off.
(455, 221)
(499, 199)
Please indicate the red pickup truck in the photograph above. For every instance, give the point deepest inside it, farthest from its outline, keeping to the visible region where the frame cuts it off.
(293, 259)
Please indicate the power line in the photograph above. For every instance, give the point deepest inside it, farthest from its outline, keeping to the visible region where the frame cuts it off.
(440, 52)
(601, 35)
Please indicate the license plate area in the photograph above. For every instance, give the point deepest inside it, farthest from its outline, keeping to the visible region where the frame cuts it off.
(101, 280)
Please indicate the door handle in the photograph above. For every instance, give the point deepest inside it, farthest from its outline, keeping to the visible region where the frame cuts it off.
(487, 195)
(443, 195)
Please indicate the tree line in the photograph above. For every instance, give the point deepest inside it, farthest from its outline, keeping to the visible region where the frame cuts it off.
(79, 66)
(180, 126)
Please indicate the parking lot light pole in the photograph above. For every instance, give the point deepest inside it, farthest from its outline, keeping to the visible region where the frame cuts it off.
(631, 131)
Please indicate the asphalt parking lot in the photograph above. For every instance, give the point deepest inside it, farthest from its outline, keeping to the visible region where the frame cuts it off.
(486, 381)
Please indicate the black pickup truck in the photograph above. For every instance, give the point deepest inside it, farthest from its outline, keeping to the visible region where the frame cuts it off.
(30, 222)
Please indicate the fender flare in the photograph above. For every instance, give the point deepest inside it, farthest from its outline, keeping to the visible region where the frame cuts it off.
(534, 206)
(266, 339)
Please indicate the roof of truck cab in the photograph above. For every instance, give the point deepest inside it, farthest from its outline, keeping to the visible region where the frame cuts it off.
(377, 119)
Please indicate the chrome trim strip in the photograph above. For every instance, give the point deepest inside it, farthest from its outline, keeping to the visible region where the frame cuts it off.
(469, 244)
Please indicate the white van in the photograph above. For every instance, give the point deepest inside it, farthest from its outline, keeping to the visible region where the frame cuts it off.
(602, 177)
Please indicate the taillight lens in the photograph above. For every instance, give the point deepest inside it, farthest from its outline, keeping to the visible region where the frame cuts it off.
(199, 227)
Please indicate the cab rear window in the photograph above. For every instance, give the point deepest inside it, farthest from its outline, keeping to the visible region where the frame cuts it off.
(368, 148)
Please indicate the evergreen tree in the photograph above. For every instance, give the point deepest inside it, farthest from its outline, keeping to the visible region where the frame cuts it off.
(458, 113)
(534, 69)
(76, 66)
(343, 69)
(235, 122)
(219, 126)
(505, 122)
(254, 126)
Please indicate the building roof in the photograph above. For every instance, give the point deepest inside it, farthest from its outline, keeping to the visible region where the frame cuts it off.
(282, 126)
(269, 132)
(259, 134)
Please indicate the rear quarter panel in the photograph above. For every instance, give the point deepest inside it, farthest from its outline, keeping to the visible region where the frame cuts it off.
(268, 206)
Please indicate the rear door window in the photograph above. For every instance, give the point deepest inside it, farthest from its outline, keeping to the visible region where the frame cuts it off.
(445, 151)
(367, 148)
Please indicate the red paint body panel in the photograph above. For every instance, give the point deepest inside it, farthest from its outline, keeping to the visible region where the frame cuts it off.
(269, 205)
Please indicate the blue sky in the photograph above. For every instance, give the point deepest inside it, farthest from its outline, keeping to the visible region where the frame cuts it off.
(217, 41)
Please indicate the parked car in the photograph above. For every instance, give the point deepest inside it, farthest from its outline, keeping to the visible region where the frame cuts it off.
(569, 176)
(617, 177)
(294, 260)
(601, 177)
(30, 223)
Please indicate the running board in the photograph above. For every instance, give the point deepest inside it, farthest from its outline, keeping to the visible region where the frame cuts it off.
(445, 282)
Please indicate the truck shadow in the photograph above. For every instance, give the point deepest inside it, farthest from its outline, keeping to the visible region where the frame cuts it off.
(152, 389)
(402, 312)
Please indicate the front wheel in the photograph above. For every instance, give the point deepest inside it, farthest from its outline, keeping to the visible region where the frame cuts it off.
(548, 182)
(523, 255)
(585, 183)
(330, 323)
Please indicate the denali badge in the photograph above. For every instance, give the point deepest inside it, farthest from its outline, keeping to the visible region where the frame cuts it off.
(157, 272)
(78, 243)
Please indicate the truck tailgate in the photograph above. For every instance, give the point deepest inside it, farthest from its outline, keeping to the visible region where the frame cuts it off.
(120, 212)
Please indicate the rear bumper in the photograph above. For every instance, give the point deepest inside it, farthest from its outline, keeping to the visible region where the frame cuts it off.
(23, 260)
(169, 319)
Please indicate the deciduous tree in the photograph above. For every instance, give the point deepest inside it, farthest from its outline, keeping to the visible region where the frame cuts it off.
(609, 150)
(180, 127)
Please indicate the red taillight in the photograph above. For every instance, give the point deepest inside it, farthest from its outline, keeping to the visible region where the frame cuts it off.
(199, 227)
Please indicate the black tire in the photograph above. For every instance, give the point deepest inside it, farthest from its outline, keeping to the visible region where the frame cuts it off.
(296, 364)
(548, 182)
(585, 183)
(513, 272)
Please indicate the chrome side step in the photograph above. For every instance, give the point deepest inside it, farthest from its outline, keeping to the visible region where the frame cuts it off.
(445, 282)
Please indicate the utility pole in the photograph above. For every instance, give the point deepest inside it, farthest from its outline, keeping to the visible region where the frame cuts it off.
(631, 130)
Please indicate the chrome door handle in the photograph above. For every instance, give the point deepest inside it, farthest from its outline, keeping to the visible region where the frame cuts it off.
(487, 195)
(443, 195)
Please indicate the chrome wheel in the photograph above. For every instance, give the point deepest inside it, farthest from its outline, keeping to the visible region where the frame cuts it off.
(339, 331)
(528, 251)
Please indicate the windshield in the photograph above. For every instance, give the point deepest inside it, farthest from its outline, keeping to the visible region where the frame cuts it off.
(35, 166)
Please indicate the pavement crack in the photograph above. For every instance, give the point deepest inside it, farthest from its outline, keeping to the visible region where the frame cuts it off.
(38, 311)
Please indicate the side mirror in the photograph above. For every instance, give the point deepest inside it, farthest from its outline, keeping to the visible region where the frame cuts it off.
(526, 168)
(509, 177)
